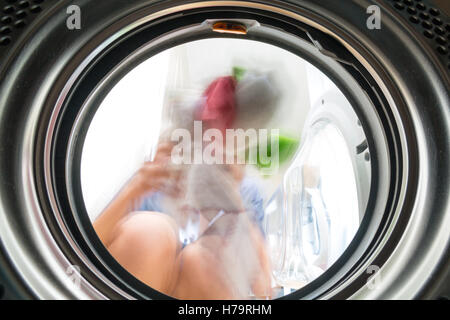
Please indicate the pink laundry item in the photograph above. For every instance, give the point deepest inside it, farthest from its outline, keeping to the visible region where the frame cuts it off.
(219, 108)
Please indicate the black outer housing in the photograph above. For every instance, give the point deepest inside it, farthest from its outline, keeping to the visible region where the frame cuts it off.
(35, 50)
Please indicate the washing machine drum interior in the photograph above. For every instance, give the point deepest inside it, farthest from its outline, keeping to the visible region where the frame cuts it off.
(289, 156)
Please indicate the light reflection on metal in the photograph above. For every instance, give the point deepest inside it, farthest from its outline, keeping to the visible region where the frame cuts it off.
(230, 27)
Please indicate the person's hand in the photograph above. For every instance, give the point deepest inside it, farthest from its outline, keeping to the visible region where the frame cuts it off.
(158, 174)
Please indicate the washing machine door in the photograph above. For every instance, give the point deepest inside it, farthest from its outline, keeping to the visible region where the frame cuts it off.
(315, 214)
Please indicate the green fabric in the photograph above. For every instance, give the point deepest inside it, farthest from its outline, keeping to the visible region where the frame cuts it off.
(288, 146)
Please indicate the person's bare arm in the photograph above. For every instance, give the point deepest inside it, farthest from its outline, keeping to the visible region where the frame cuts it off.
(262, 285)
(149, 178)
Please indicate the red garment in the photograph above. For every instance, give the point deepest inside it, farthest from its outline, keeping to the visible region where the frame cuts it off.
(219, 109)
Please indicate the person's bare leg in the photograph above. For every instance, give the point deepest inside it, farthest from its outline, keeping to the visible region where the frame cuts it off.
(146, 245)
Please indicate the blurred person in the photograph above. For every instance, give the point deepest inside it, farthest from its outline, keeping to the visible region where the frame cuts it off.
(147, 243)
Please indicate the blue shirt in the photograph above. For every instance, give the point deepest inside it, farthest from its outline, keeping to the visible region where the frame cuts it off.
(251, 197)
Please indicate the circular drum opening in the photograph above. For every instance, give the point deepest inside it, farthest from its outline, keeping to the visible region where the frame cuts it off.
(279, 151)
(203, 149)
(196, 100)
